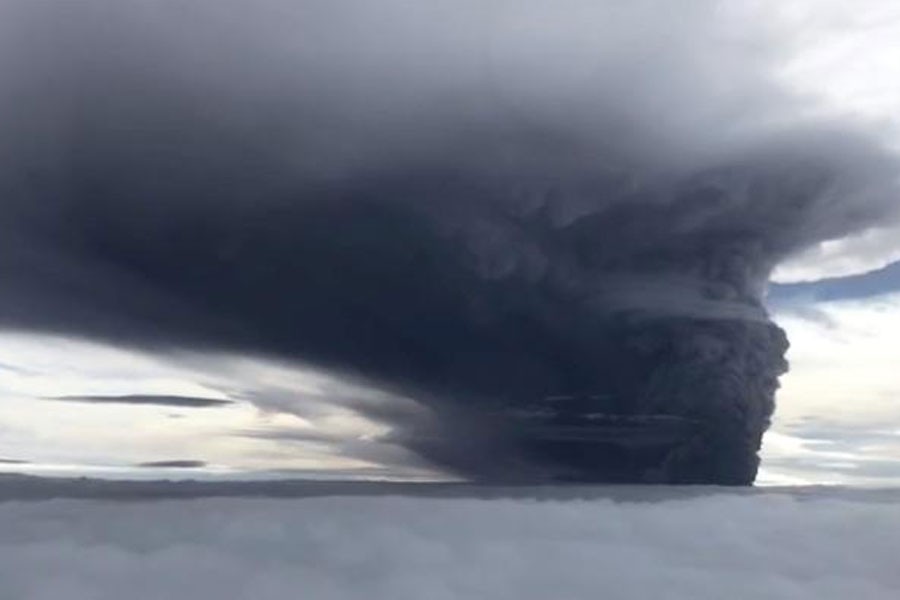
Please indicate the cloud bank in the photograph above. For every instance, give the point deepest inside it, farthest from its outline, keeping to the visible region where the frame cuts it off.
(752, 547)
(550, 226)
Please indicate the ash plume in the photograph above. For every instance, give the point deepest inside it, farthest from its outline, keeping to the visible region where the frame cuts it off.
(550, 224)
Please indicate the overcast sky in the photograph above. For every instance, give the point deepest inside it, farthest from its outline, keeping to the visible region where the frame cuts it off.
(73, 405)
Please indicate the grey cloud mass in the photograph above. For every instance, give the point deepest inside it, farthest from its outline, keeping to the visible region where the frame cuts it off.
(532, 219)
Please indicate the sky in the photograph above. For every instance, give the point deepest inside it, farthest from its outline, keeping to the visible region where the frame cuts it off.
(93, 389)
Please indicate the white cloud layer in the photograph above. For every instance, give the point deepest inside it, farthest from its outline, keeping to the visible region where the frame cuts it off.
(735, 546)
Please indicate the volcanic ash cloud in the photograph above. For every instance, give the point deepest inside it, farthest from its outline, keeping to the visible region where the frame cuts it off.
(550, 226)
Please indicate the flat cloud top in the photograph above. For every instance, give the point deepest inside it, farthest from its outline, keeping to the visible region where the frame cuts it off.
(770, 546)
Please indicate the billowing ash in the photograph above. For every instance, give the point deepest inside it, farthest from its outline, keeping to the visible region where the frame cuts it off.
(550, 224)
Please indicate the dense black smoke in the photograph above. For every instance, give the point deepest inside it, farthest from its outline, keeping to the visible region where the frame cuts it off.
(551, 225)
